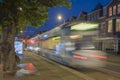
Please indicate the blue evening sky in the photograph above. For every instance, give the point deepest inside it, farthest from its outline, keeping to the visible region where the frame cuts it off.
(76, 7)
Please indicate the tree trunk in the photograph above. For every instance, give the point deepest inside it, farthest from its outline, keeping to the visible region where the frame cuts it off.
(8, 55)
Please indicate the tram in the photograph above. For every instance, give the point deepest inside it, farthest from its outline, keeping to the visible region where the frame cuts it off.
(73, 44)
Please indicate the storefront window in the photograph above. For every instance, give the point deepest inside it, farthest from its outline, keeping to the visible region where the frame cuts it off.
(117, 25)
(118, 10)
(110, 11)
(110, 26)
(110, 46)
(114, 10)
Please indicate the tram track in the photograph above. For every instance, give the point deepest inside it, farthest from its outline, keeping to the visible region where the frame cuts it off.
(113, 63)
(100, 73)
(91, 74)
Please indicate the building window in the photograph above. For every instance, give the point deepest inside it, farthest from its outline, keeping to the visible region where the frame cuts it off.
(103, 27)
(88, 17)
(110, 11)
(117, 25)
(104, 11)
(96, 16)
(110, 26)
(114, 10)
(118, 9)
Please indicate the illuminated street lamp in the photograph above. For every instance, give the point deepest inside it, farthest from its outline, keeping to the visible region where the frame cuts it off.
(59, 17)
(21, 31)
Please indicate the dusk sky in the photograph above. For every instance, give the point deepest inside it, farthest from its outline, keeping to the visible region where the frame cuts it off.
(76, 7)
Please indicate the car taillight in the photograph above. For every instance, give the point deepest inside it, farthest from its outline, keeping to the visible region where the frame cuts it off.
(80, 57)
(99, 56)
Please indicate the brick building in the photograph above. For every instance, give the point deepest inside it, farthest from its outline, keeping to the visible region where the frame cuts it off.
(109, 30)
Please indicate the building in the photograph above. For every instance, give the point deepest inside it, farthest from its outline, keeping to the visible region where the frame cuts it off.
(82, 16)
(95, 14)
(109, 29)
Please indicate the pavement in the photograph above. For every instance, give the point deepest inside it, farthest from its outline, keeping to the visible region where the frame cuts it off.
(35, 67)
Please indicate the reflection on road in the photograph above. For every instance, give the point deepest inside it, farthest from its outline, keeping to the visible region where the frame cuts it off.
(26, 69)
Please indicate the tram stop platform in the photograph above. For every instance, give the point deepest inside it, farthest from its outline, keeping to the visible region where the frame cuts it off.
(35, 67)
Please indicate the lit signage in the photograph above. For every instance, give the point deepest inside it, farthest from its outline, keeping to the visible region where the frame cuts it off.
(45, 36)
(55, 38)
(84, 26)
(18, 47)
(75, 36)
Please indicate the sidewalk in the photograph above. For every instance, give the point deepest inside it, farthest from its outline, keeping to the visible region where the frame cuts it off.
(45, 70)
(114, 58)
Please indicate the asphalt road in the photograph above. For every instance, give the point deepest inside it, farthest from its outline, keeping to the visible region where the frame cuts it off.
(110, 72)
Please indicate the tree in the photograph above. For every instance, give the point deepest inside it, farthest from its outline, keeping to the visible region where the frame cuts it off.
(15, 14)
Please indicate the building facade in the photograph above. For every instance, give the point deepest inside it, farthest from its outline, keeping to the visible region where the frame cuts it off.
(111, 25)
(110, 28)
(108, 18)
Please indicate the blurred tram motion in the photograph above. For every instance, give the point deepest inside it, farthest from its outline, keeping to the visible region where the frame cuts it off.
(73, 45)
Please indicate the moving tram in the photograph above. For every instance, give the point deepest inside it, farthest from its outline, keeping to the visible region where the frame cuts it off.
(73, 45)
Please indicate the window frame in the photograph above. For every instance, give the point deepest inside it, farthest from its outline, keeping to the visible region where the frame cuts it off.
(110, 26)
(110, 11)
(118, 9)
(117, 25)
(114, 10)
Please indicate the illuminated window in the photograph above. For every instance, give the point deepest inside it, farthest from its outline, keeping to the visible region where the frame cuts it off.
(110, 26)
(118, 10)
(114, 10)
(117, 25)
(110, 11)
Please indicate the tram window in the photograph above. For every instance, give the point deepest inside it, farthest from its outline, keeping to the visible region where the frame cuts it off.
(84, 45)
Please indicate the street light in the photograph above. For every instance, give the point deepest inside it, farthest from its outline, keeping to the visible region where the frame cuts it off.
(21, 31)
(59, 17)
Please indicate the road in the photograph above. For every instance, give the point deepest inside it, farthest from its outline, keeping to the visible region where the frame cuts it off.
(110, 72)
